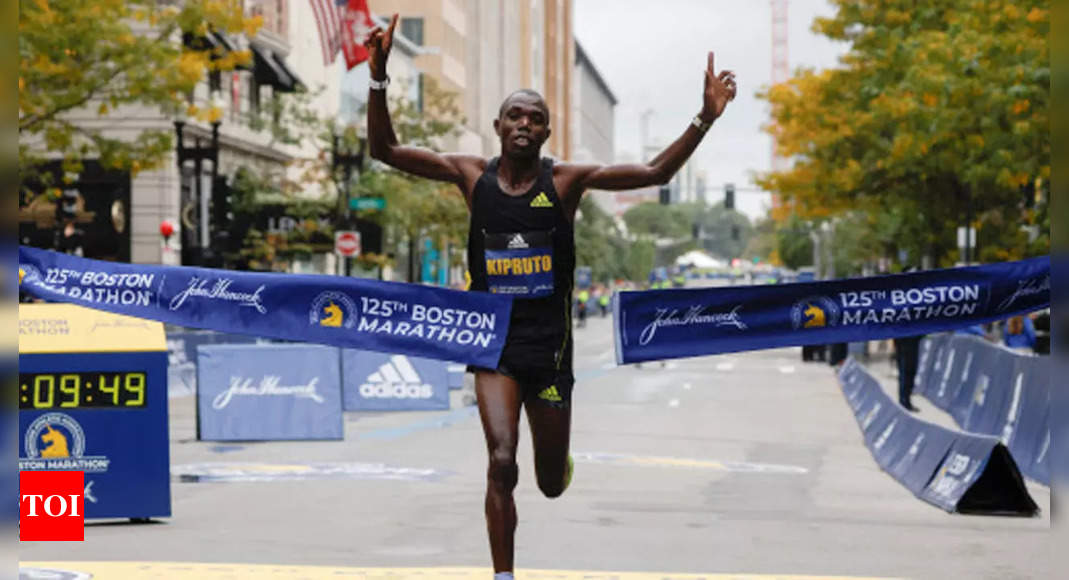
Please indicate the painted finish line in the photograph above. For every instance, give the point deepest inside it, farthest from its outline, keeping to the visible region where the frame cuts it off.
(222, 472)
(187, 571)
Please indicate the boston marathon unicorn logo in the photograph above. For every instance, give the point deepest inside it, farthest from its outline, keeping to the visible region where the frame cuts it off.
(55, 444)
(334, 316)
(333, 310)
(56, 441)
(814, 317)
(814, 312)
(28, 274)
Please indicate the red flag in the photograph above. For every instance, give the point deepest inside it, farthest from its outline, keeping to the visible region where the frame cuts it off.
(356, 25)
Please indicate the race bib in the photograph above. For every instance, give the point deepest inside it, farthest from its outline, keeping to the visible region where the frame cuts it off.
(520, 264)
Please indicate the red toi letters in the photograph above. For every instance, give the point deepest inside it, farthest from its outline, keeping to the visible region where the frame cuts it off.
(51, 507)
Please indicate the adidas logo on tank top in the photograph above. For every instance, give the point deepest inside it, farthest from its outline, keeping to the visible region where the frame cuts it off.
(541, 200)
(517, 241)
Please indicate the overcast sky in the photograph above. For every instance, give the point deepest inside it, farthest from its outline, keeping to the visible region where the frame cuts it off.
(652, 55)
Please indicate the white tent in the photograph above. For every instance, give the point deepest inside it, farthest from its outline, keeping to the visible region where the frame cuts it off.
(699, 259)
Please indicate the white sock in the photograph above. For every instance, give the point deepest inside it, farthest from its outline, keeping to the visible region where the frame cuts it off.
(503, 576)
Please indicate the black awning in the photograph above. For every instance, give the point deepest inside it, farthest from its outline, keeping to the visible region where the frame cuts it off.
(297, 84)
(224, 41)
(268, 70)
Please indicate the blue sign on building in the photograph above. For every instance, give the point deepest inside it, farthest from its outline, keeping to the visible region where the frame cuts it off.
(383, 382)
(268, 392)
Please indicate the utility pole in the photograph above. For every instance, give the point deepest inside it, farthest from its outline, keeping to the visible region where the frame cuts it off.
(644, 134)
(780, 69)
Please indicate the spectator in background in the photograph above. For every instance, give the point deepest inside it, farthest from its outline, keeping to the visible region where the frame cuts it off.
(1019, 333)
(1041, 321)
(582, 299)
(907, 354)
(975, 330)
(838, 353)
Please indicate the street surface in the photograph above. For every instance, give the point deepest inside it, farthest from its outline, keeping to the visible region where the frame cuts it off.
(737, 466)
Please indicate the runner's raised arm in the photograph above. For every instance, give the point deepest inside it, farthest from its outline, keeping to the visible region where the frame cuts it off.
(458, 169)
(719, 90)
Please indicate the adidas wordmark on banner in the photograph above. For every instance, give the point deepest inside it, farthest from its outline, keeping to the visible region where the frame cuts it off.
(396, 379)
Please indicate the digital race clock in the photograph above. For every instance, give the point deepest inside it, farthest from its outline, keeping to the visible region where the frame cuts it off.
(82, 389)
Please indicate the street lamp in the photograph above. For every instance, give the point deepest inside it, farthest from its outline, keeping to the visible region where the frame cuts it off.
(198, 153)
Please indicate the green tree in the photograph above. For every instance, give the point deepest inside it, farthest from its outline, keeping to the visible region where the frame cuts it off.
(762, 244)
(659, 221)
(724, 232)
(642, 258)
(97, 56)
(852, 246)
(939, 114)
(599, 243)
(418, 208)
(794, 244)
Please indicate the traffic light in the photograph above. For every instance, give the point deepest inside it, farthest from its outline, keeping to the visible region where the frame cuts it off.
(665, 194)
(735, 232)
(67, 206)
(221, 204)
(729, 196)
(222, 216)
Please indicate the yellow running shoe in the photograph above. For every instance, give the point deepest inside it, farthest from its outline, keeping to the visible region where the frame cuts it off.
(568, 473)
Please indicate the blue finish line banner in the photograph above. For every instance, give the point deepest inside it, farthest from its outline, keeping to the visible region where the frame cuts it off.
(664, 324)
(468, 327)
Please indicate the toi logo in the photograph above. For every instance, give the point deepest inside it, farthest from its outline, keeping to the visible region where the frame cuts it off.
(51, 506)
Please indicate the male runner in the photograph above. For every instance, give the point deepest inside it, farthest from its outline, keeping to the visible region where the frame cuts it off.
(521, 242)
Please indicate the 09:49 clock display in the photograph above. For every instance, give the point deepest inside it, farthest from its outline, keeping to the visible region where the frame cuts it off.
(82, 389)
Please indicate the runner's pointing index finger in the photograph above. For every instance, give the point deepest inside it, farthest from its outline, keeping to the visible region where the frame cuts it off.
(393, 24)
(711, 71)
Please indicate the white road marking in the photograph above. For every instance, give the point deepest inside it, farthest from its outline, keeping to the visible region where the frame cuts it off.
(725, 366)
(222, 571)
(652, 461)
(673, 403)
(786, 369)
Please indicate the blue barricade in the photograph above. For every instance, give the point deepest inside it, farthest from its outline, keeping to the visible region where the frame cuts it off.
(182, 356)
(383, 382)
(958, 472)
(456, 375)
(994, 391)
(268, 392)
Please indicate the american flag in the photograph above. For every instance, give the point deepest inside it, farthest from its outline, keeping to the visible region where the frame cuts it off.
(328, 15)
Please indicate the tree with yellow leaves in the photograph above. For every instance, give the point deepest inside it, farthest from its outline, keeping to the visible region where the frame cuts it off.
(938, 116)
(92, 57)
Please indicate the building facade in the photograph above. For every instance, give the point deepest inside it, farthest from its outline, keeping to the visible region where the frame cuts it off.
(285, 59)
(483, 50)
(593, 123)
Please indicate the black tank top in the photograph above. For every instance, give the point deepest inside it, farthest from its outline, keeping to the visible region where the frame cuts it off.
(523, 246)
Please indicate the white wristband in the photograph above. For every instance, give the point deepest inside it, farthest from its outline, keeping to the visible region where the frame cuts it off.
(379, 85)
(700, 125)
